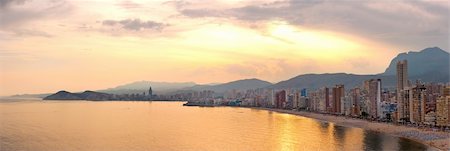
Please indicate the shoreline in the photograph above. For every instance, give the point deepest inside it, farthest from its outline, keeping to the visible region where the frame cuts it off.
(434, 139)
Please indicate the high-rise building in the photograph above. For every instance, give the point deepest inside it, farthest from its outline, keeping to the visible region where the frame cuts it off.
(402, 83)
(406, 108)
(327, 99)
(402, 74)
(374, 98)
(433, 93)
(417, 101)
(324, 99)
(442, 113)
(150, 92)
(355, 98)
(296, 102)
(338, 96)
(280, 98)
(303, 92)
(442, 108)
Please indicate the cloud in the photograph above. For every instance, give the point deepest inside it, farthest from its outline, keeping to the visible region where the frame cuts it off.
(29, 32)
(202, 13)
(128, 5)
(135, 24)
(15, 13)
(16, 16)
(412, 24)
(178, 4)
(7, 3)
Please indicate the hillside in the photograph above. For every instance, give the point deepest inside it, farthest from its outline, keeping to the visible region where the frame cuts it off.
(428, 65)
(86, 95)
(238, 85)
(143, 86)
(430, 60)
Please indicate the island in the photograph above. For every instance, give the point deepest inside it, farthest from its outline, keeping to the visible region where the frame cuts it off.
(102, 96)
(86, 95)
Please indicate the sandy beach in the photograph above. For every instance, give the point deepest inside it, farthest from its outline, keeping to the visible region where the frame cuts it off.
(437, 139)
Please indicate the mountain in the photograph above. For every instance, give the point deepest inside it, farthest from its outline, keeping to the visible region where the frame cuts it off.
(314, 81)
(86, 95)
(428, 65)
(143, 86)
(240, 85)
(430, 60)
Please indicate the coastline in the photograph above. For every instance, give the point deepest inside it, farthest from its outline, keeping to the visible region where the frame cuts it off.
(435, 139)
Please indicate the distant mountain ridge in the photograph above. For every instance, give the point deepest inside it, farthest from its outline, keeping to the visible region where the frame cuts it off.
(86, 95)
(143, 86)
(432, 59)
(428, 65)
(240, 85)
(167, 87)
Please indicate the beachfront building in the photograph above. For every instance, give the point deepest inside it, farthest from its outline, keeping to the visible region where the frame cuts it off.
(417, 103)
(280, 99)
(324, 99)
(430, 118)
(402, 84)
(442, 113)
(347, 105)
(314, 101)
(406, 96)
(433, 92)
(271, 97)
(374, 96)
(442, 108)
(338, 96)
(296, 100)
(302, 102)
(355, 101)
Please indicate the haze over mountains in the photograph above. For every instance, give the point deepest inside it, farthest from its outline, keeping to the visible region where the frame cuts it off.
(428, 65)
(239, 85)
(143, 86)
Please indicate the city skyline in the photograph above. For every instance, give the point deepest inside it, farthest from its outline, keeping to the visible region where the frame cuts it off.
(52, 45)
(263, 75)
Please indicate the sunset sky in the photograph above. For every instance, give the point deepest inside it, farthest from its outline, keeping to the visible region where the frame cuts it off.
(49, 45)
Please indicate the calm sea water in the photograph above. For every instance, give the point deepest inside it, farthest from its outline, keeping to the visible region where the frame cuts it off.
(167, 126)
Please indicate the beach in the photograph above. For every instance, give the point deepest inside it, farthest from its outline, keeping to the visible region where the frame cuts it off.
(437, 139)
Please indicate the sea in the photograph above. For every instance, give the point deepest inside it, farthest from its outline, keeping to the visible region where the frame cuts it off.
(37, 125)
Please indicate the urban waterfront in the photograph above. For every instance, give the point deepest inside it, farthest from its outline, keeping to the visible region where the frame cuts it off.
(115, 125)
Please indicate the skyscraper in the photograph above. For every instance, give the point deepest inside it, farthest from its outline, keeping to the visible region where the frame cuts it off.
(327, 99)
(355, 95)
(402, 83)
(442, 108)
(374, 94)
(303, 92)
(417, 101)
(402, 74)
(338, 95)
(150, 92)
(280, 99)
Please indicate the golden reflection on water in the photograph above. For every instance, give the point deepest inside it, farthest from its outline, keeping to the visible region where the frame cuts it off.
(83, 125)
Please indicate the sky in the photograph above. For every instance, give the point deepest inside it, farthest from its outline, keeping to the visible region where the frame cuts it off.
(76, 45)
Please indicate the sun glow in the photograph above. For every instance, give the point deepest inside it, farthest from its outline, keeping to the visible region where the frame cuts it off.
(191, 49)
(312, 42)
